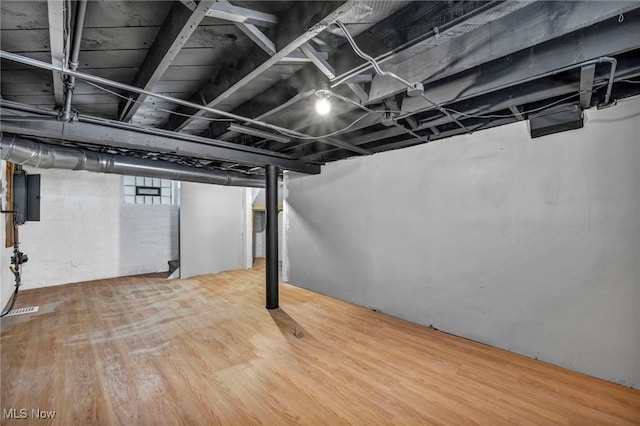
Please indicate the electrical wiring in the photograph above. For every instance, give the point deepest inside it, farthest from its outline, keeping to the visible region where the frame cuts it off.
(293, 135)
(445, 112)
(337, 132)
(97, 86)
(370, 111)
(379, 71)
(281, 131)
(368, 58)
(416, 89)
(498, 116)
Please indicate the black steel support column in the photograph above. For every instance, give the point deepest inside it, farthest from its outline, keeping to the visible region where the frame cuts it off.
(272, 236)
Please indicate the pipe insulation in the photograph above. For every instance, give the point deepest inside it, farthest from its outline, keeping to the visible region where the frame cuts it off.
(26, 152)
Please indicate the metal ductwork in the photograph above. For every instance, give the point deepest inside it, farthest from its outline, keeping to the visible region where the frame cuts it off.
(26, 152)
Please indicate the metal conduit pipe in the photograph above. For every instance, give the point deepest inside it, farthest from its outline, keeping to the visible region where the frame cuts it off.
(26, 152)
(70, 83)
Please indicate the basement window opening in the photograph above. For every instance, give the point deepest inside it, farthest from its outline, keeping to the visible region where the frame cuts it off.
(145, 190)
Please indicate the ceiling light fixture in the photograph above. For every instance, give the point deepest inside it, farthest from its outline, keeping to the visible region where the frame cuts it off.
(323, 106)
(258, 133)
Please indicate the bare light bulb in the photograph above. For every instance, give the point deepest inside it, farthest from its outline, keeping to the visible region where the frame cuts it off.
(323, 106)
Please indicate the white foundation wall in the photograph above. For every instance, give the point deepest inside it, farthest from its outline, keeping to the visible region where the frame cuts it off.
(260, 234)
(528, 245)
(86, 231)
(212, 227)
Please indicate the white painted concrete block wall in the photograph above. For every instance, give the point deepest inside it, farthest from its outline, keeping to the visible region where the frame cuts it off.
(260, 238)
(155, 236)
(86, 231)
(528, 245)
(212, 225)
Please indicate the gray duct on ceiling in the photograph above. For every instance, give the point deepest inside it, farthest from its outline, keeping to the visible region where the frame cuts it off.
(26, 152)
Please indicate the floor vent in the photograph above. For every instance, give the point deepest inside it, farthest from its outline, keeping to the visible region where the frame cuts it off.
(20, 311)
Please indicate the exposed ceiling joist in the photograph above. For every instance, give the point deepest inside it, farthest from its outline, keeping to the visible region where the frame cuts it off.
(222, 9)
(189, 104)
(127, 136)
(396, 37)
(258, 133)
(297, 57)
(514, 31)
(286, 104)
(311, 78)
(507, 99)
(318, 60)
(301, 85)
(247, 20)
(304, 22)
(516, 112)
(174, 33)
(441, 135)
(585, 44)
(487, 62)
(359, 91)
(361, 140)
(56, 16)
(404, 143)
(362, 123)
(190, 4)
(516, 97)
(374, 136)
(339, 143)
(265, 115)
(258, 37)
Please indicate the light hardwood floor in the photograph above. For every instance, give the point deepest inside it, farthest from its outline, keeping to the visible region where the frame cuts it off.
(204, 351)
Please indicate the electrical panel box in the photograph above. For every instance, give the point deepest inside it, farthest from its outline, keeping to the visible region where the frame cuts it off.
(26, 197)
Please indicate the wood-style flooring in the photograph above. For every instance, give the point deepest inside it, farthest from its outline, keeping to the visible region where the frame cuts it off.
(204, 351)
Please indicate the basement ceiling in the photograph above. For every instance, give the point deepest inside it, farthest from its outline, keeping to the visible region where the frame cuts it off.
(232, 85)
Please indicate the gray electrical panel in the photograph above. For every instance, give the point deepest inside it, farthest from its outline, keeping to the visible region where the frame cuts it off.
(20, 197)
(26, 197)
